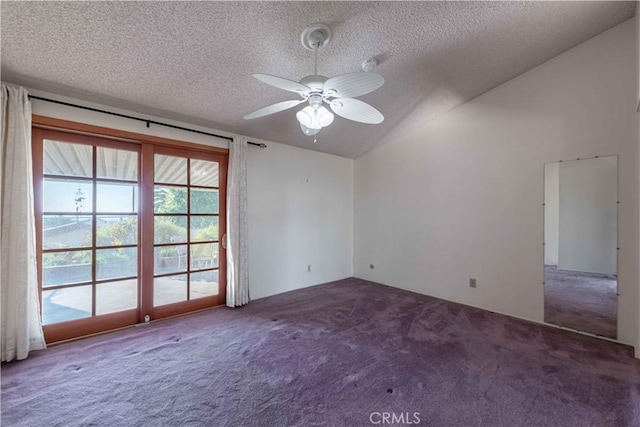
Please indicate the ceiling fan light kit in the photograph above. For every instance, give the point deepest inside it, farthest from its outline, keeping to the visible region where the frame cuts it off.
(337, 92)
(313, 118)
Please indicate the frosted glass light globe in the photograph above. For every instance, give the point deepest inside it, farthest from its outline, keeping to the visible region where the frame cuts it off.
(308, 131)
(315, 118)
(306, 117)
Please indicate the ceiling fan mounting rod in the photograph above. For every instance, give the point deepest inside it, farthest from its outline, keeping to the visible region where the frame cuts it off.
(315, 59)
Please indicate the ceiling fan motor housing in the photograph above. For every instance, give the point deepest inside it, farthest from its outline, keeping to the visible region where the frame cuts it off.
(314, 82)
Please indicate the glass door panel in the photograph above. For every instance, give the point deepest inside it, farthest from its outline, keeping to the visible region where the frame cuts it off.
(89, 229)
(186, 211)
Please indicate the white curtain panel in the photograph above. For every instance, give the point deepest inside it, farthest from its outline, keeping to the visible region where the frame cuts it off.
(21, 323)
(237, 232)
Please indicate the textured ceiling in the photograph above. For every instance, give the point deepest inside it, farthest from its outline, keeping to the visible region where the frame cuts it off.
(192, 61)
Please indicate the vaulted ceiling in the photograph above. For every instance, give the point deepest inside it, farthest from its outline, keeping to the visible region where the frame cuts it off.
(192, 61)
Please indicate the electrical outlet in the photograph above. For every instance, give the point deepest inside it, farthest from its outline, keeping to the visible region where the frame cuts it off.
(309, 268)
(472, 282)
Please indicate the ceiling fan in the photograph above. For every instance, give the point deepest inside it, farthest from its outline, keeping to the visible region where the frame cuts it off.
(337, 92)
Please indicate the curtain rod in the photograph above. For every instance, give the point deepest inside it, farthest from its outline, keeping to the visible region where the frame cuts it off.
(147, 121)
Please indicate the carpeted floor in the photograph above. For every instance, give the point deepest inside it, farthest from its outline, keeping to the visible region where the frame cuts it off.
(338, 354)
(579, 300)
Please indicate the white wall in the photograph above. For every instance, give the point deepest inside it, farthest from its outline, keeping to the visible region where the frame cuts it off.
(300, 202)
(551, 212)
(300, 214)
(461, 196)
(589, 215)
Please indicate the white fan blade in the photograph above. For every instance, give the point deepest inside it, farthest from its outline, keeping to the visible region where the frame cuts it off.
(353, 84)
(356, 110)
(275, 108)
(281, 83)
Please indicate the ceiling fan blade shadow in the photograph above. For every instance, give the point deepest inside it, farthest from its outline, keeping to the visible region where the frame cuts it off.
(356, 110)
(353, 84)
(271, 109)
(282, 83)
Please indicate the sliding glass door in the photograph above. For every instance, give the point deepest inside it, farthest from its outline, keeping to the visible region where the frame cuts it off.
(127, 232)
(188, 231)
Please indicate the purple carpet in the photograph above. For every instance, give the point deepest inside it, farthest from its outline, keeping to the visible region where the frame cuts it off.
(338, 354)
(580, 300)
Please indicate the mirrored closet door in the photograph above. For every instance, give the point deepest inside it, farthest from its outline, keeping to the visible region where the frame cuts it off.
(580, 244)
